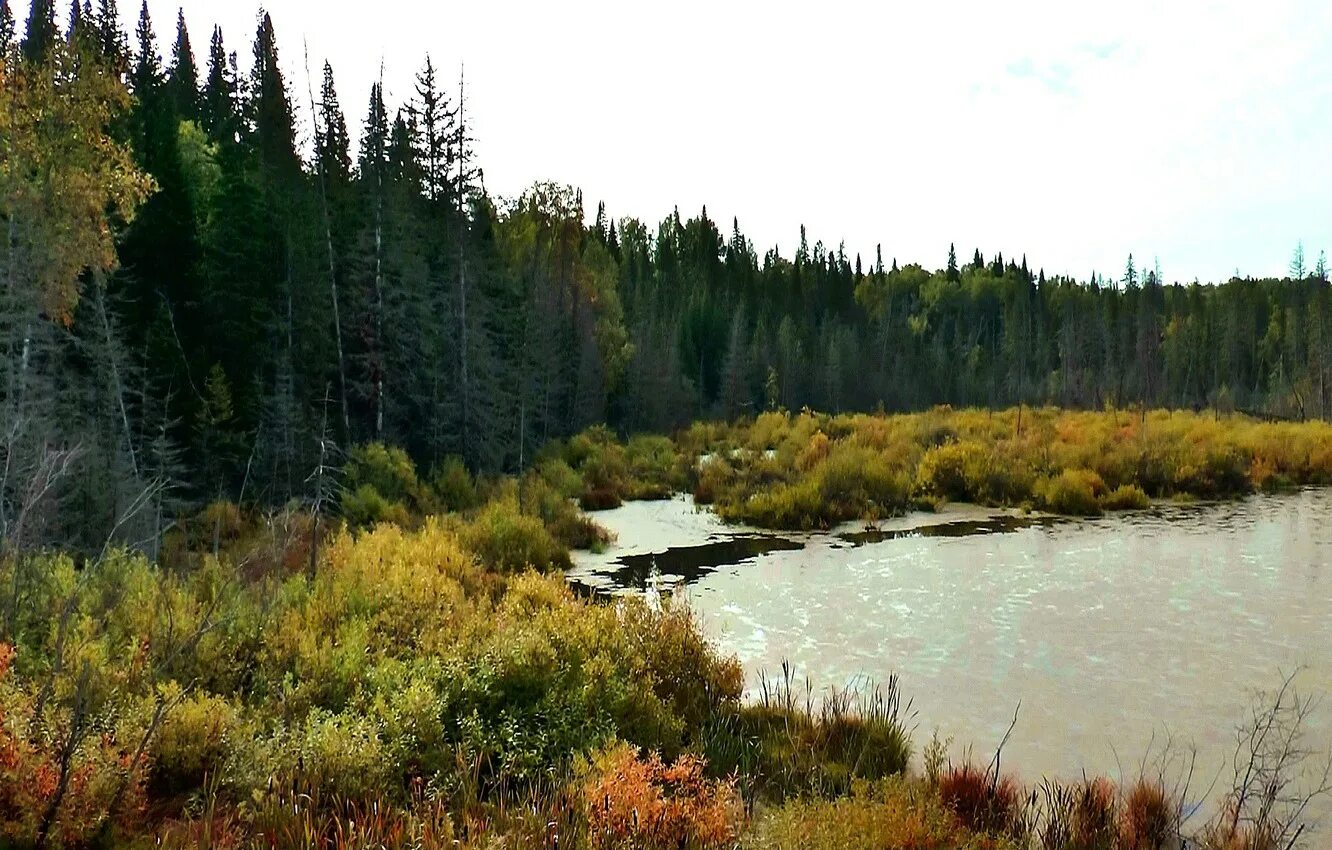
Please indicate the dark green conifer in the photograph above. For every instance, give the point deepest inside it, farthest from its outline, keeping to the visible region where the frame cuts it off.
(41, 33)
(183, 77)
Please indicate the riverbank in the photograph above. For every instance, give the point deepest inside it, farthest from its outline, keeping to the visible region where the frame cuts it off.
(417, 672)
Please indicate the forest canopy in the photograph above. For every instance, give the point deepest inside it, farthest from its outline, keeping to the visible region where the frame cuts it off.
(208, 298)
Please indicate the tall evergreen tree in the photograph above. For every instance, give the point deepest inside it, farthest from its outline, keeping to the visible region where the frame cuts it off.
(147, 73)
(269, 110)
(219, 108)
(183, 76)
(435, 126)
(111, 39)
(6, 29)
(41, 32)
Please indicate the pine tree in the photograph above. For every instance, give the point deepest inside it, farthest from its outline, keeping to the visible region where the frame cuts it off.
(952, 272)
(183, 77)
(1320, 267)
(41, 33)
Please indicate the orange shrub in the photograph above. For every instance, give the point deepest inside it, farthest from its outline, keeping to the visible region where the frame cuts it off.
(980, 802)
(647, 803)
(1148, 821)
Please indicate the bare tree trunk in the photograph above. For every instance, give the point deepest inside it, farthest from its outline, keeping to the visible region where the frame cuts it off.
(464, 372)
(379, 301)
(115, 376)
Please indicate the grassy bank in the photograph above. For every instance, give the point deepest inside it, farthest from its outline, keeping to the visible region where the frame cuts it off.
(809, 470)
(415, 672)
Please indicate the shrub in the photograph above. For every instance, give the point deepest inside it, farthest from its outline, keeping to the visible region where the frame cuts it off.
(193, 741)
(947, 471)
(653, 468)
(1126, 497)
(858, 483)
(1075, 492)
(1148, 820)
(602, 463)
(366, 506)
(508, 541)
(388, 470)
(982, 802)
(894, 813)
(715, 478)
(798, 748)
(562, 518)
(647, 804)
(453, 485)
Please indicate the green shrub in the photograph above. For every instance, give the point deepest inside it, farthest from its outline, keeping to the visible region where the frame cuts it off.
(193, 741)
(454, 487)
(653, 468)
(508, 541)
(365, 506)
(569, 525)
(389, 470)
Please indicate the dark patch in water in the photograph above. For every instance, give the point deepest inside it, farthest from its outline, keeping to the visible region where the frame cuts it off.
(691, 563)
(958, 528)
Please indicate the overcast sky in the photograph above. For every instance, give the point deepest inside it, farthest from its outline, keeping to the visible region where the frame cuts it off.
(1196, 133)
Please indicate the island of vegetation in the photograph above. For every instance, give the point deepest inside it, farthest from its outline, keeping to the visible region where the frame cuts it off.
(298, 439)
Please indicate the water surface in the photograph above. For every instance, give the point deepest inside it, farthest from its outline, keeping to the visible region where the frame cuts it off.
(1110, 632)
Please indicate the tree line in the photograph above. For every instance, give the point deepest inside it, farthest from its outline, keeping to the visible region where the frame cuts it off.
(206, 299)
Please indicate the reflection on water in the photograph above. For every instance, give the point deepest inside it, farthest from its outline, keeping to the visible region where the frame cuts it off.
(1109, 631)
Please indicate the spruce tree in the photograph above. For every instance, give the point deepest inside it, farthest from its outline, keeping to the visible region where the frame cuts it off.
(218, 107)
(111, 40)
(435, 126)
(183, 76)
(147, 73)
(269, 110)
(41, 33)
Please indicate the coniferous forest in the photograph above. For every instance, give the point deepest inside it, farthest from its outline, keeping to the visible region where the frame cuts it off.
(298, 425)
(286, 291)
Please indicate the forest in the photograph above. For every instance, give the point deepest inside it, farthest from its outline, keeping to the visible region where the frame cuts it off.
(267, 295)
(298, 424)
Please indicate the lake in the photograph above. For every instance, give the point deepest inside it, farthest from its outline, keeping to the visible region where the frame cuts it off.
(1111, 632)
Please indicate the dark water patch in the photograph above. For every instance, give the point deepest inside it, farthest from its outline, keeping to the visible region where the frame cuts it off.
(958, 528)
(691, 563)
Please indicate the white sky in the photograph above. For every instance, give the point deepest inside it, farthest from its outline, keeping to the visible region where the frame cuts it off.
(1192, 132)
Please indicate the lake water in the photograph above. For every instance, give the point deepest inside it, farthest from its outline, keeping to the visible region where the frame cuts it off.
(1110, 632)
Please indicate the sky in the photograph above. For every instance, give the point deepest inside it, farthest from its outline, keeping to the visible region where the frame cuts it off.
(1193, 134)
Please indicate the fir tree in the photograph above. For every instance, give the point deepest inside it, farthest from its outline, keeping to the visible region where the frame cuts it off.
(183, 77)
(219, 94)
(269, 109)
(147, 73)
(332, 142)
(435, 126)
(110, 38)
